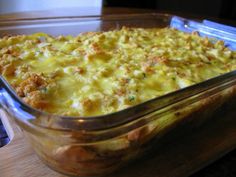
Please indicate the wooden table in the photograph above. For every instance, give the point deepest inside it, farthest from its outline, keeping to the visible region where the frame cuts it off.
(12, 166)
(74, 12)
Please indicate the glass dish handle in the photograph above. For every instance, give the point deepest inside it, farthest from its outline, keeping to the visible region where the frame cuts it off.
(219, 26)
(208, 29)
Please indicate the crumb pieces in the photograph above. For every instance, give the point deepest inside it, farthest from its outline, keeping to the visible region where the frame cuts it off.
(31, 90)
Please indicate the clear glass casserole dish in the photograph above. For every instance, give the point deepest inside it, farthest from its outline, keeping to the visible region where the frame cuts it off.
(95, 146)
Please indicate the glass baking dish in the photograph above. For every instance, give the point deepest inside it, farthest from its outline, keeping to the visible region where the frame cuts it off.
(95, 146)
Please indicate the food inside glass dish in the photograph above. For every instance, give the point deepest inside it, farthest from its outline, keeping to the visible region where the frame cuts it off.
(97, 73)
(102, 73)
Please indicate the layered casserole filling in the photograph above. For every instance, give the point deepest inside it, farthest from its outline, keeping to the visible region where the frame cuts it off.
(97, 73)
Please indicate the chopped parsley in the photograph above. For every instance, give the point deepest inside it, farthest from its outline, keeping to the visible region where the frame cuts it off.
(131, 97)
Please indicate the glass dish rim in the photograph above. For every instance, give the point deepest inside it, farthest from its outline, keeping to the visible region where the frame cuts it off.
(131, 113)
(86, 17)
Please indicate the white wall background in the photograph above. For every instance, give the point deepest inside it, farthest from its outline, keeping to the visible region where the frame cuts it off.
(12, 6)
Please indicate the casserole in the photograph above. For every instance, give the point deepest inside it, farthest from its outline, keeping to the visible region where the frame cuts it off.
(93, 146)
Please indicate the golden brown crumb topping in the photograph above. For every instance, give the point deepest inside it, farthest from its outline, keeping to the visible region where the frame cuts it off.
(102, 72)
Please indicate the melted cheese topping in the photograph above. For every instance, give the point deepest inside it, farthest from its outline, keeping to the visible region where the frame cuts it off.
(97, 73)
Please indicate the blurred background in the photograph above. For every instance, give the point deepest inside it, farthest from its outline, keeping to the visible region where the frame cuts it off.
(218, 8)
(13, 6)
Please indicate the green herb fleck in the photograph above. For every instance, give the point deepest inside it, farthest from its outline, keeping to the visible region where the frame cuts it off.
(131, 98)
(144, 75)
(44, 90)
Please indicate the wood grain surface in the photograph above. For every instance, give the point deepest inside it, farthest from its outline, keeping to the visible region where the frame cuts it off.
(178, 158)
(68, 12)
